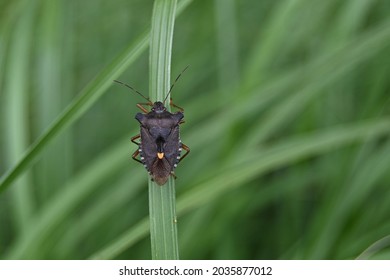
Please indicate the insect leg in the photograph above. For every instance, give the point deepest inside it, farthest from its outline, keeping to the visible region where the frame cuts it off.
(174, 105)
(134, 156)
(135, 138)
(143, 109)
(187, 149)
(136, 153)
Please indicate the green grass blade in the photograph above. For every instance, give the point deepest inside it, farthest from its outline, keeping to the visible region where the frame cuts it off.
(279, 155)
(129, 186)
(86, 99)
(227, 42)
(74, 192)
(375, 248)
(16, 113)
(370, 171)
(125, 241)
(319, 73)
(162, 200)
(50, 101)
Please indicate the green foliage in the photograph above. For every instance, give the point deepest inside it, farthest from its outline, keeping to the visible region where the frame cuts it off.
(287, 116)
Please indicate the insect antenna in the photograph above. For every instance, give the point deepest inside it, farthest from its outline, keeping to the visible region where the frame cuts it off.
(175, 83)
(126, 85)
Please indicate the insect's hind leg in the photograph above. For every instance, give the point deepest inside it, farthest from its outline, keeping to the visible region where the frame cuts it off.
(135, 138)
(173, 175)
(185, 148)
(134, 156)
(136, 153)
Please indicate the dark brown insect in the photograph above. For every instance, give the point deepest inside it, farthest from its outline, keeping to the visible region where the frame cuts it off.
(160, 147)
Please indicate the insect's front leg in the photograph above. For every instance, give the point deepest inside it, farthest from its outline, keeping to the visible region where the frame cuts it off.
(175, 106)
(143, 109)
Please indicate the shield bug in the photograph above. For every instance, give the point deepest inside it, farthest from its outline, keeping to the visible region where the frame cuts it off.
(159, 146)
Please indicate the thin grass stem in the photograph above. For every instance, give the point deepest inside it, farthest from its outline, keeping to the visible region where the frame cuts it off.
(162, 200)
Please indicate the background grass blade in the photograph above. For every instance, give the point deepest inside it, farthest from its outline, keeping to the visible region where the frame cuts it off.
(375, 248)
(86, 98)
(31, 244)
(17, 136)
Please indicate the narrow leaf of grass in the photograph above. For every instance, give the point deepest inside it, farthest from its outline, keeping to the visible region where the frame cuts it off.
(281, 154)
(52, 169)
(162, 201)
(267, 44)
(129, 238)
(375, 248)
(237, 174)
(226, 25)
(374, 168)
(85, 100)
(322, 72)
(17, 115)
(70, 196)
(128, 186)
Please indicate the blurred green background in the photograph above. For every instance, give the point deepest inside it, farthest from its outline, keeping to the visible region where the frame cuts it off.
(287, 108)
